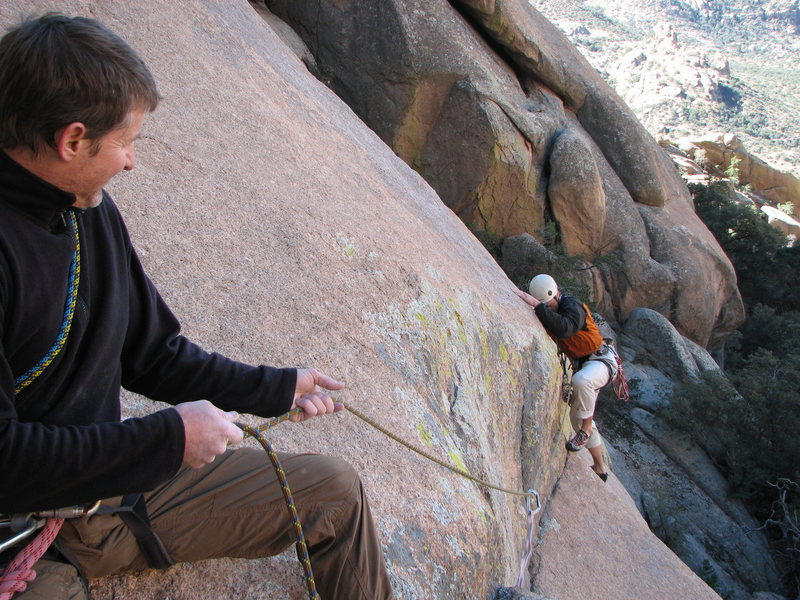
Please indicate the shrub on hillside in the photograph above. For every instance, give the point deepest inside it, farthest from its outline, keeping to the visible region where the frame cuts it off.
(745, 418)
(742, 421)
(766, 268)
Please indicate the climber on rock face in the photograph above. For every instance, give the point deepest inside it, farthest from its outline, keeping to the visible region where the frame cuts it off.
(569, 322)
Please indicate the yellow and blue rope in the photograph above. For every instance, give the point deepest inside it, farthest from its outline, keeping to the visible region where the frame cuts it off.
(301, 546)
(27, 378)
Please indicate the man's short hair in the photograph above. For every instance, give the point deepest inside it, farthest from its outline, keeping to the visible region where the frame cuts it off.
(56, 70)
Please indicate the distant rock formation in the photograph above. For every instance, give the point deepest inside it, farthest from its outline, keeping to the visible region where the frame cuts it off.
(517, 133)
(722, 155)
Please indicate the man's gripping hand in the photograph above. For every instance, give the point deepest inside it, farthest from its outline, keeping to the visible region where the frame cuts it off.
(208, 431)
(312, 400)
(530, 300)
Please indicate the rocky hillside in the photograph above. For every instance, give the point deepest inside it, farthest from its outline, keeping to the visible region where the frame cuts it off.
(691, 67)
(519, 136)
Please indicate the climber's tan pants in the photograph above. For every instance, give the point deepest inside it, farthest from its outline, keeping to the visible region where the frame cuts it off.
(234, 507)
(586, 385)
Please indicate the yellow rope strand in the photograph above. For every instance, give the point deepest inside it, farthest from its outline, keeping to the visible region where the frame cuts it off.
(432, 458)
(274, 421)
(302, 547)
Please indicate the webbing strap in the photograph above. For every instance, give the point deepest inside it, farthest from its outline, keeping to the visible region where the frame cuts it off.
(133, 512)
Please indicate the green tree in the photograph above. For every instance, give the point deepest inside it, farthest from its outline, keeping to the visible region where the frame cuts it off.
(755, 248)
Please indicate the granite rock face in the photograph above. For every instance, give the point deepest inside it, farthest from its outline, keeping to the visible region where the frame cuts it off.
(281, 229)
(620, 559)
(518, 134)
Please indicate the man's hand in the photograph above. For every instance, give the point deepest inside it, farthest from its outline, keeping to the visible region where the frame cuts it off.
(313, 401)
(208, 432)
(527, 297)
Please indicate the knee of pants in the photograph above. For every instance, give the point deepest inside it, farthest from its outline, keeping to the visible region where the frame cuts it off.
(581, 380)
(339, 479)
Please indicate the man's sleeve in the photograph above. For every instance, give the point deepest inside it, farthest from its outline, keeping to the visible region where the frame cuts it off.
(48, 466)
(565, 323)
(163, 365)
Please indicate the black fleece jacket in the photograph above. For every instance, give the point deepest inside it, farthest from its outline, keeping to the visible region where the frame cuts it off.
(61, 439)
(566, 321)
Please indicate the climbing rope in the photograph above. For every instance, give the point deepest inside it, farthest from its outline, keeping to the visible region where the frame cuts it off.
(20, 571)
(27, 378)
(301, 546)
(526, 558)
(275, 420)
(302, 549)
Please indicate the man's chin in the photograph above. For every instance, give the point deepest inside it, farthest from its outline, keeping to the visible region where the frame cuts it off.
(89, 201)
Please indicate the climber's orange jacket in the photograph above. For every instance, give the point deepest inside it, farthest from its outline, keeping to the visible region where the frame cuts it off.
(571, 326)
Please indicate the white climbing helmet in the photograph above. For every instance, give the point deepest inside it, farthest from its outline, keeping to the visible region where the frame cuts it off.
(543, 288)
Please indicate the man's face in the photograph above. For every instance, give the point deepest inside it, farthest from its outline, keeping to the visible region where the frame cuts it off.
(99, 160)
(552, 304)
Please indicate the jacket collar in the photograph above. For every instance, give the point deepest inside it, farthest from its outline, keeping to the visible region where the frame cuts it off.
(30, 195)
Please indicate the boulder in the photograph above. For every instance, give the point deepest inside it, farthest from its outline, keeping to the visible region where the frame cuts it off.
(518, 135)
(576, 194)
(650, 339)
(508, 593)
(786, 224)
(677, 487)
(622, 547)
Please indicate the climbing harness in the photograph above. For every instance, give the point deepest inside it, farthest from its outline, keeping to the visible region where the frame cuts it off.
(19, 571)
(301, 547)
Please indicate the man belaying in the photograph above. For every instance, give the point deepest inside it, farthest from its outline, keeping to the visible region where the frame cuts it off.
(79, 318)
(569, 322)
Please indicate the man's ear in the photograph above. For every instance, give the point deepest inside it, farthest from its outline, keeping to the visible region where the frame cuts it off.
(68, 140)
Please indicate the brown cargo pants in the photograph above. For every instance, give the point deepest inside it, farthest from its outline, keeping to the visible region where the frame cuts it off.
(234, 507)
